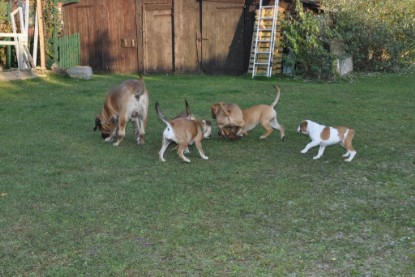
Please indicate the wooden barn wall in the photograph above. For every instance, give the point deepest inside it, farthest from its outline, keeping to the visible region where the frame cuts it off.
(184, 36)
(187, 36)
(102, 26)
(223, 37)
(155, 38)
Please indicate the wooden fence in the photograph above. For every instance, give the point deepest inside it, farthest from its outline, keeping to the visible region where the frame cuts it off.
(69, 50)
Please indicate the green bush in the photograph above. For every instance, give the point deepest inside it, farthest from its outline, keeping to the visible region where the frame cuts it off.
(307, 36)
(380, 35)
(4, 27)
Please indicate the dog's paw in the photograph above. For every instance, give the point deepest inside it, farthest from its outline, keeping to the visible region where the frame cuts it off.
(349, 159)
(304, 151)
(205, 157)
(108, 139)
(316, 157)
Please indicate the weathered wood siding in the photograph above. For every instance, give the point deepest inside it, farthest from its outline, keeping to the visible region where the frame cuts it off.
(223, 37)
(156, 47)
(187, 36)
(182, 36)
(102, 26)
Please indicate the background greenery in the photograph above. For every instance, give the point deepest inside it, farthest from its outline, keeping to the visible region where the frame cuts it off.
(378, 35)
(73, 205)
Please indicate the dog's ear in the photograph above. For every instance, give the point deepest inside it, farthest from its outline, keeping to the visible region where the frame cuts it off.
(98, 124)
(226, 112)
(214, 110)
(114, 119)
(303, 126)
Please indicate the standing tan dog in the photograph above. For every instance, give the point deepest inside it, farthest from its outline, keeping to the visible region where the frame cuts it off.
(325, 136)
(184, 132)
(264, 115)
(128, 101)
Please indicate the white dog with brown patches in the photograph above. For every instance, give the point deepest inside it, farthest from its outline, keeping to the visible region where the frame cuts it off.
(325, 136)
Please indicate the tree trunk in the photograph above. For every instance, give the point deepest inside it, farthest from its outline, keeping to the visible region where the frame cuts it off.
(41, 34)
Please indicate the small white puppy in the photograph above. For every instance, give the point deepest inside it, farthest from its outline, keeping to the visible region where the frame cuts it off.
(325, 136)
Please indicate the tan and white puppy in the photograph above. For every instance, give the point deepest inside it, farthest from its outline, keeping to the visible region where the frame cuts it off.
(229, 119)
(325, 136)
(264, 115)
(184, 132)
(128, 101)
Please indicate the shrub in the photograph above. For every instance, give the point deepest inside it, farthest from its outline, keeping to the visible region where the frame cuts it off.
(307, 37)
(380, 35)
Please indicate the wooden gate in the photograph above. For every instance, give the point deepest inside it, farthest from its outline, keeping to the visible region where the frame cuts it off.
(68, 51)
(223, 46)
(108, 33)
(131, 36)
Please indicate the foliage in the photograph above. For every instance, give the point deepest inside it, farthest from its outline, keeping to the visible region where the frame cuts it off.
(380, 35)
(308, 36)
(52, 25)
(4, 27)
(74, 205)
(51, 18)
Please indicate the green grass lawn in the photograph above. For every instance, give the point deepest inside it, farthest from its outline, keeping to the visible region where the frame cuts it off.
(74, 205)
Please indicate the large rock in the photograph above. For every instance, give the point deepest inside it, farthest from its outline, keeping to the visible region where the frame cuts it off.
(80, 72)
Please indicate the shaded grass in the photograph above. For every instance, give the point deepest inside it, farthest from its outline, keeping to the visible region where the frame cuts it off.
(72, 204)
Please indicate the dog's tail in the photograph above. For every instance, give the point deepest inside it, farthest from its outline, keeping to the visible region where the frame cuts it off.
(160, 114)
(277, 89)
(189, 113)
(224, 109)
(187, 107)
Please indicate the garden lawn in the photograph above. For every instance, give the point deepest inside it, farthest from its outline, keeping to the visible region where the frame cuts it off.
(74, 205)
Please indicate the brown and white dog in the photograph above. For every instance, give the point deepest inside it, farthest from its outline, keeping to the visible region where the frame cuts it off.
(325, 136)
(128, 101)
(264, 115)
(184, 132)
(229, 119)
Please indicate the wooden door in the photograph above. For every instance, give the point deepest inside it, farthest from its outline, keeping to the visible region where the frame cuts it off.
(108, 33)
(93, 36)
(157, 39)
(223, 44)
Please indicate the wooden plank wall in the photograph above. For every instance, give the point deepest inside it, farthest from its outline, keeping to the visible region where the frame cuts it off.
(187, 37)
(157, 49)
(223, 36)
(102, 25)
(182, 36)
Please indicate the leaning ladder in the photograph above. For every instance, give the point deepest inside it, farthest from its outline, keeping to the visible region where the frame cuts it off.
(265, 39)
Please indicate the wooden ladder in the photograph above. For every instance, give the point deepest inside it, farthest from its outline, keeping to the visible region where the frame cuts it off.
(264, 39)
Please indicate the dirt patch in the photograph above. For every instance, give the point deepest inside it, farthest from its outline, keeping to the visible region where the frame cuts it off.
(14, 74)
